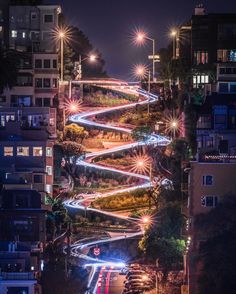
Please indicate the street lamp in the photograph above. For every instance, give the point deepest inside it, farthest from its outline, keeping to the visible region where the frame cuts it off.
(172, 124)
(140, 38)
(173, 34)
(78, 65)
(141, 71)
(71, 106)
(141, 164)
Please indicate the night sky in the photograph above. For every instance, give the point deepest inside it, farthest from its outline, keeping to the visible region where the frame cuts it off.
(109, 25)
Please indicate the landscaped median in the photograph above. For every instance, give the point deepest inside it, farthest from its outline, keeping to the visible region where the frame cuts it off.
(123, 201)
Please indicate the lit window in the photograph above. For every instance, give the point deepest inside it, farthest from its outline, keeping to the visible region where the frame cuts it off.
(48, 189)
(37, 151)
(8, 151)
(54, 83)
(22, 151)
(23, 35)
(49, 170)
(51, 121)
(49, 151)
(200, 57)
(0, 29)
(14, 34)
(207, 180)
(209, 201)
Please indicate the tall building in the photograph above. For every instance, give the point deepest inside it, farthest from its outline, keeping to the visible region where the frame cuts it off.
(27, 136)
(206, 40)
(31, 27)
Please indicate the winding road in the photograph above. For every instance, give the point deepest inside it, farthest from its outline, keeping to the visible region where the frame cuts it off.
(154, 139)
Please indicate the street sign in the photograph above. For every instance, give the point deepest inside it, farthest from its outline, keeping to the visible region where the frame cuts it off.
(96, 251)
(154, 57)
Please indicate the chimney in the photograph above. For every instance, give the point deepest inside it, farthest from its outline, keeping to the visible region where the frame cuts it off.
(199, 9)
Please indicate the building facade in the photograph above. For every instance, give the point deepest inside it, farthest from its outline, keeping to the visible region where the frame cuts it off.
(210, 178)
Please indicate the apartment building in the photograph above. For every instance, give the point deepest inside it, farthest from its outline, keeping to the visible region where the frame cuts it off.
(26, 153)
(31, 27)
(210, 178)
(206, 40)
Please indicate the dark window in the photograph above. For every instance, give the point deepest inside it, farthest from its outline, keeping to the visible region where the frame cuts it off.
(232, 88)
(17, 290)
(33, 15)
(39, 102)
(21, 201)
(38, 63)
(46, 83)
(222, 70)
(38, 179)
(38, 83)
(209, 201)
(223, 87)
(46, 63)
(48, 18)
(220, 118)
(3, 99)
(207, 180)
(54, 63)
(46, 102)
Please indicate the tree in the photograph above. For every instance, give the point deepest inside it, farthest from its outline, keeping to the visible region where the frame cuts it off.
(141, 133)
(68, 64)
(217, 253)
(75, 133)
(162, 240)
(8, 69)
(71, 153)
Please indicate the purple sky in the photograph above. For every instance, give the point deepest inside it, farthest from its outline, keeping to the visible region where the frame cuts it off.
(109, 25)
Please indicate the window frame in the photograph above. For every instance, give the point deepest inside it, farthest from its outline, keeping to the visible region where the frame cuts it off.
(35, 148)
(204, 180)
(49, 170)
(46, 15)
(17, 151)
(12, 151)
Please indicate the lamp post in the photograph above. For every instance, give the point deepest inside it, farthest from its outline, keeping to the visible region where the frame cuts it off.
(141, 72)
(173, 35)
(78, 69)
(140, 38)
(62, 36)
(78, 65)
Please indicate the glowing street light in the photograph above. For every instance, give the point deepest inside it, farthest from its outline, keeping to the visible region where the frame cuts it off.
(172, 124)
(78, 65)
(140, 71)
(141, 163)
(146, 219)
(71, 106)
(145, 277)
(140, 39)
